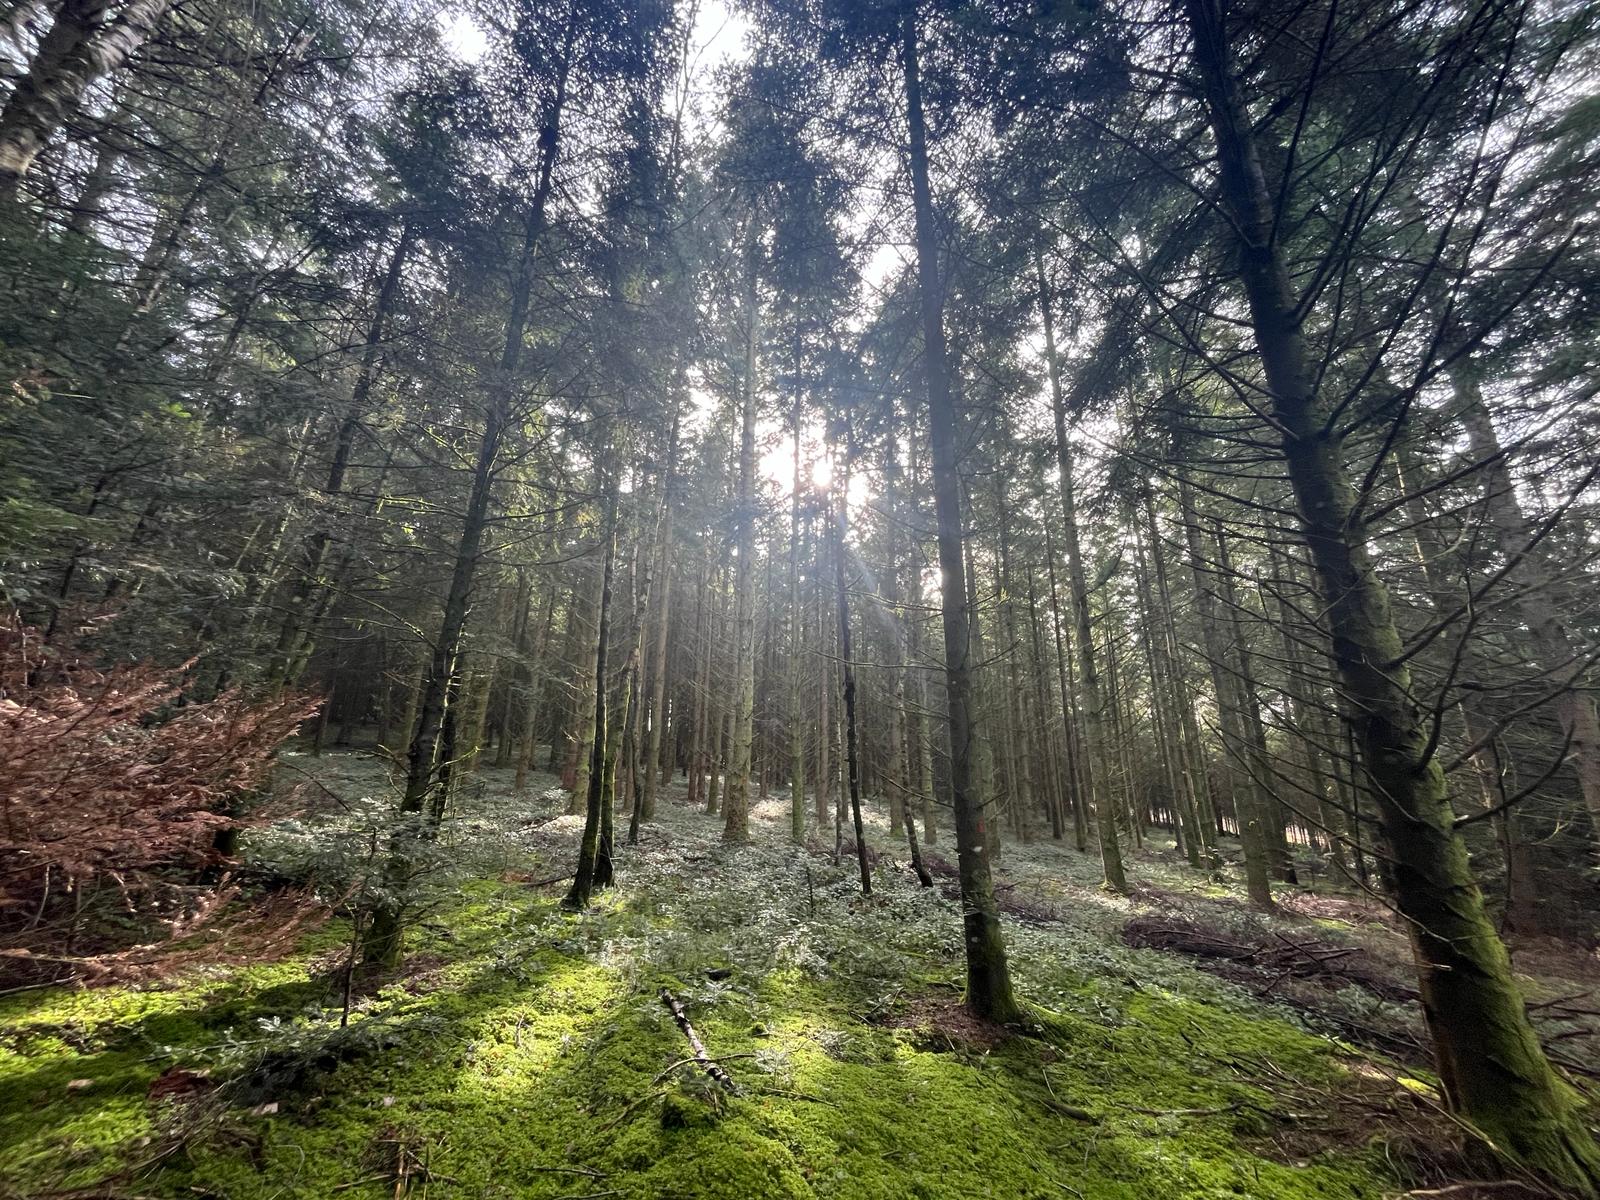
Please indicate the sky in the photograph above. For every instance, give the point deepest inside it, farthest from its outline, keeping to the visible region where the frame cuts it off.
(719, 35)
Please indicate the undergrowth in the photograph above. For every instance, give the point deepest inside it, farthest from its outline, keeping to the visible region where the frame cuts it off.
(524, 1052)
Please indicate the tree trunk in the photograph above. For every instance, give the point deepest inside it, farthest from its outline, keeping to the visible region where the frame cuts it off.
(736, 792)
(298, 632)
(442, 684)
(825, 717)
(1242, 785)
(847, 671)
(658, 696)
(80, 46)
(1493, 1070)
(588, 626)
(528, 735)
(989, 992)
(1064, 678)
(795, 714)
(1242, 670)
(703, 648)
(1095, 762)
(590, 847)
(1169, 738)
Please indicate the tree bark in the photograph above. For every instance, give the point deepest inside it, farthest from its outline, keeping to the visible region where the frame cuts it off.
(86, 41)
(442, 684)
(1074, 772)
(796, 718)
(847, 674)
(1242, 785)
(296, 638)
(736, 792)
(658, 696)
(590, 847)
(1492, 1067)
(1095, 766)
(989, 992)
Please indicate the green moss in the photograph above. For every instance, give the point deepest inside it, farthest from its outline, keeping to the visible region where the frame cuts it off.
(526, 1055)
(507, 1078)
(75, 1065)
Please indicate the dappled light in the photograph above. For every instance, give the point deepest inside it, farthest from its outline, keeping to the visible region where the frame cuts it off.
(817, 599)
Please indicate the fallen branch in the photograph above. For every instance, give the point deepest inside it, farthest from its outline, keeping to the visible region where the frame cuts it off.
(707, 1064)
(684, 1062)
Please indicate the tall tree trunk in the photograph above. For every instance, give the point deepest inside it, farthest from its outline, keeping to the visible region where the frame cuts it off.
(984, 786)
(441, 690)
(658, 695)
(824, 800)
(1019, 747)
(989, 992)
(1494, 1072)
(736, 793)
(1095, 764)
(587, 627)
(1242, 785)
(847, 674)
(1064, 678)
(593, 855)
(1242, 668)
(298, 631)
(81, 45)
(1196, 786)
(918, 727)
(1309, 736)
(795, 712)
(1039, 679)
(528, 734)
(703, 647)
(442, 684)
(1169, 737)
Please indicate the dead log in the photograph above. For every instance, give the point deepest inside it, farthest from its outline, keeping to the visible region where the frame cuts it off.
(1267, 953)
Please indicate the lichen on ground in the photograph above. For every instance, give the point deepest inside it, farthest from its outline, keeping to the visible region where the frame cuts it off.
(524, 1051)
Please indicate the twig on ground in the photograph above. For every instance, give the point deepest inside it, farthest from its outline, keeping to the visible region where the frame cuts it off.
(698, 1062)
(706, 1062)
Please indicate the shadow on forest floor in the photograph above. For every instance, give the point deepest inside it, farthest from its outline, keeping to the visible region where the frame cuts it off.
(524, 1052)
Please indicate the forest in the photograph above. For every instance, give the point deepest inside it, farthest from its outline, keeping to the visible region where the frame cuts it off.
(800, 599)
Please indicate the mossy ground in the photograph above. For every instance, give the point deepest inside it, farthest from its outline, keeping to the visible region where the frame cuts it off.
(524, 1051)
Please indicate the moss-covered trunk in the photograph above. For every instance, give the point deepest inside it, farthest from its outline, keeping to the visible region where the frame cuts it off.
(1494, 1072)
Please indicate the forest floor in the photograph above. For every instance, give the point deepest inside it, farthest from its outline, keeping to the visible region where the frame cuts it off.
(1184, 1047)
